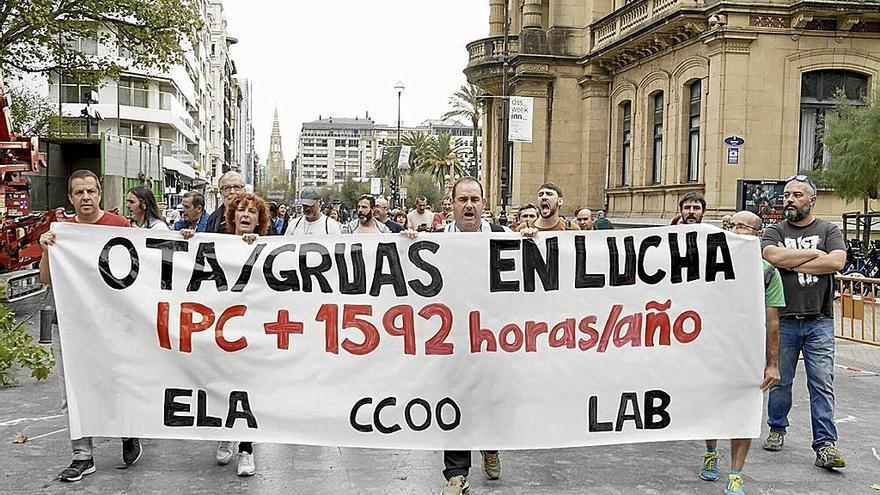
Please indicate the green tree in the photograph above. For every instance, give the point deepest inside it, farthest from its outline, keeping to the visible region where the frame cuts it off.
(385, 165)
(348, 192)
(422, 184)
(851, 138)
(65, 35)
(466, 103)
(31, 113)
(17, 347)
(440, 158)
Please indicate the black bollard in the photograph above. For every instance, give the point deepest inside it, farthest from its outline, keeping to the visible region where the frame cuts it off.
(47, 318)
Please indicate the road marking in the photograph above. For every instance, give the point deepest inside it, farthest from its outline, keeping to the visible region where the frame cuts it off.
(847, 419)
(856, 370)
(875, 453)
(46, 434)
(12, 422)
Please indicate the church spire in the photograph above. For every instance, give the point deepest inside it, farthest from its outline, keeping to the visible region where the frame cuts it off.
(278, 176)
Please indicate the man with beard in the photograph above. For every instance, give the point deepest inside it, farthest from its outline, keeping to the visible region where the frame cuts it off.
(365, 223)
(807, 251)
(549, 202)
(691, 208)
(313, 221)
(230, 184)
(380, 213)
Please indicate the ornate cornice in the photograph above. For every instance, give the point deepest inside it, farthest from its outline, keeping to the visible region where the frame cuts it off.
(729, 42)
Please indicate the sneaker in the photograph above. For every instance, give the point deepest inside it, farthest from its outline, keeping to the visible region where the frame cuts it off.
(224, 453)
(246, 466)
(735, 485)
(456, 486)
(829, 457)
(77, 470)
(774, 442)
(709, 471)
(492, 465)
(131, 451)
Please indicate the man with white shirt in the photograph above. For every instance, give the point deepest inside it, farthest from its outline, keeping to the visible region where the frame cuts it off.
(365, 223)
(420, 219)
(312, 222)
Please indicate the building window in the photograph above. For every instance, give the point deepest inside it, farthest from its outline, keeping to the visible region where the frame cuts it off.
(133, 92)
(74, 92)
(818, 95)
(626, 143)
(657, 154)
(86, 45)
(693, 171)
(133, 130)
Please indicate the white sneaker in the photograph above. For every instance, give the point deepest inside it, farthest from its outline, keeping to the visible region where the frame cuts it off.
(224, 453)
(246, 466)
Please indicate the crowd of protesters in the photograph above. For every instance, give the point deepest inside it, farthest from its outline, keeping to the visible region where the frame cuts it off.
(801, 254)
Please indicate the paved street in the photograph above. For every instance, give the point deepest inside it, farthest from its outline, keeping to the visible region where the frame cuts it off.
(668, 468)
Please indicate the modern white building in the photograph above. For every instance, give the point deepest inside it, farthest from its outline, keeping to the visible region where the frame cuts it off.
(193, 112)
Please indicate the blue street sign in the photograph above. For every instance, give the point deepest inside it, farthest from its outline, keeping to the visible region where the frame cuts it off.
(734, 141)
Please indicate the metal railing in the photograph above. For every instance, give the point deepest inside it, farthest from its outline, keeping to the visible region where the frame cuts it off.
(631, 16)
(858, 309)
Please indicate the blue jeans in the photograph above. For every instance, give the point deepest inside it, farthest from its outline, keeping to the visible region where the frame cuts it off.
(815, 338)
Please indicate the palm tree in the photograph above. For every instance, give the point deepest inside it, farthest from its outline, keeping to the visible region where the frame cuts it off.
(466, 103)
(440, 159)
(385, 165)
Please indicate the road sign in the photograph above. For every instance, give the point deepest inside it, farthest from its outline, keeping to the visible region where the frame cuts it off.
(732, 156)
(735, 141)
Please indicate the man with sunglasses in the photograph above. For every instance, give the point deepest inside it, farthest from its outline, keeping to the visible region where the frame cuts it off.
(807, 251)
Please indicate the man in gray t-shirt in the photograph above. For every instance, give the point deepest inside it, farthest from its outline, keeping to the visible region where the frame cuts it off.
(807, 251)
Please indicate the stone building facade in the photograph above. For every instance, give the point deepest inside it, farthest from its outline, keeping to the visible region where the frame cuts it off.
(634, 98)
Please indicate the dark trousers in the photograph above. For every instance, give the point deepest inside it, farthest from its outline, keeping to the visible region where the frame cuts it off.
(458, 462)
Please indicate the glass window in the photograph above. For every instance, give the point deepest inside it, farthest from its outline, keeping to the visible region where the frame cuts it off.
(693, 171)
(657, 152)
(818, 95)
(133, 92)
(626, 143)
(73, 92)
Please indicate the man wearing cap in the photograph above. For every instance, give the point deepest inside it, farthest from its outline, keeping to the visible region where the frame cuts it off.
(313, 221)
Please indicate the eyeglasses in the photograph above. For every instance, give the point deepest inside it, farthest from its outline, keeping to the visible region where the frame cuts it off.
(232, 187)
(802, 178)
(739, 226)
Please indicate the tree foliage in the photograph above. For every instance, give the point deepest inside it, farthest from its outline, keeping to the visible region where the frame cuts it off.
(31, 112)
(466, 103)
(422, 184)
(18, 347)
(385, 165)
(49, 35)
(348, 192)
(440, 159)
(852, 138)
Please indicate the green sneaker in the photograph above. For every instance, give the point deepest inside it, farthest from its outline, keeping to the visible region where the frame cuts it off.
(829, 457)
(735, 485)
(774, 442)
(709, 471)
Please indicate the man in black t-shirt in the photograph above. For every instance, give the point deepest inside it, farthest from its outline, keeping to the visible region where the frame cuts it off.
(807, 251)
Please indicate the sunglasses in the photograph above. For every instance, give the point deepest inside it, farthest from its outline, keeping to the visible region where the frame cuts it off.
(801, 178)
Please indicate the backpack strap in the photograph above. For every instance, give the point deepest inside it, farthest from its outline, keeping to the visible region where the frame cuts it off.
(769, 273)
(494, 227)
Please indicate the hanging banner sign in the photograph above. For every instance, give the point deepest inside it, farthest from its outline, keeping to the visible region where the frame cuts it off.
(403, 157)
(446, 341)
(520, 119)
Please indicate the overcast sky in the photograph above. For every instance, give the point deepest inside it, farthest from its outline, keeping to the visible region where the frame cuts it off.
(343, 58)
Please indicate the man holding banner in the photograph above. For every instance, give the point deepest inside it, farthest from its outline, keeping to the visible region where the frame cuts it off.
(84, 193)
(747, 223)
(467, 205)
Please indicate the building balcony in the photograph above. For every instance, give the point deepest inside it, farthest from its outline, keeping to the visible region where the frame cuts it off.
(634, 17)
(491, 50)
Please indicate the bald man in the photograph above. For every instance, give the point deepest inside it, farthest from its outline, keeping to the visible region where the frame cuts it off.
(380, 213)
(748, 224)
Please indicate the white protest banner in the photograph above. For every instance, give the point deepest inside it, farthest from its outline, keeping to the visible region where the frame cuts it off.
(467, 341)
(519, 126)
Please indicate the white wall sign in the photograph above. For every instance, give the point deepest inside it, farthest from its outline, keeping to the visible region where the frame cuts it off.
(520, 119)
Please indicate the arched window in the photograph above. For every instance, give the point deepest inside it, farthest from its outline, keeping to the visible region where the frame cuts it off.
(694, 107)
(625, 142)
(657, 139)
(818, 94)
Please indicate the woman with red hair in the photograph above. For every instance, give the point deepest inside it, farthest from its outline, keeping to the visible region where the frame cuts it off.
(247, 215)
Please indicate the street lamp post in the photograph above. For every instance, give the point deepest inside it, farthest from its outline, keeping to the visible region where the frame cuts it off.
(505, 150)
(399, 87)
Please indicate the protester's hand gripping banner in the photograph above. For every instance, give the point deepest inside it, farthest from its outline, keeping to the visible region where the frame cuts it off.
(442, 342)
